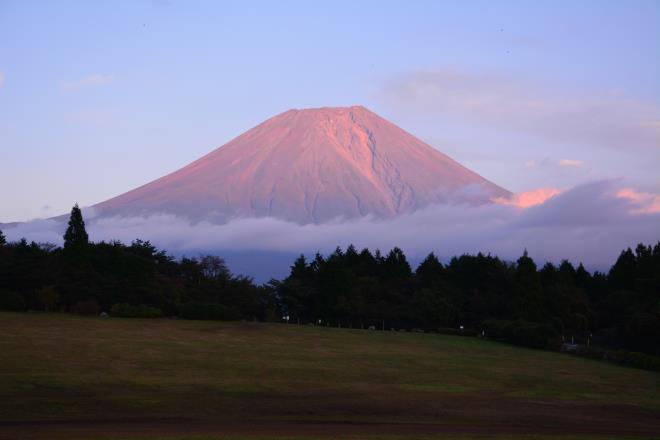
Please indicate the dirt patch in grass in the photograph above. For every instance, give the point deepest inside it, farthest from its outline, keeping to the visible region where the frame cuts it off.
(334, 416)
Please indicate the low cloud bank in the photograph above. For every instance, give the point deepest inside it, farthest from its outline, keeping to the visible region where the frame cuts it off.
(590, 223)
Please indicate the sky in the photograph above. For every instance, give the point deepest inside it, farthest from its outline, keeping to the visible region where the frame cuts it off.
(97, 98)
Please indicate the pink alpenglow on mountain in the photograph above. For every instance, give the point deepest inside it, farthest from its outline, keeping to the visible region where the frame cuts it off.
(311, 166)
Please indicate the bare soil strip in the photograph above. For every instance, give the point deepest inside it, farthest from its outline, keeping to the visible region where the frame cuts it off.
(499, 417)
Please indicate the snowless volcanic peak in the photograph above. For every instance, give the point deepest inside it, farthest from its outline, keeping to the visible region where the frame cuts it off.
(310, 166)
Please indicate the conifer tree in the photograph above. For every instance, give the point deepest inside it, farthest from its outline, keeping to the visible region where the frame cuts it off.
(582, 277)
(3, 239)
(76, 236)
(430, 270)
(397, 265)
(300, 268)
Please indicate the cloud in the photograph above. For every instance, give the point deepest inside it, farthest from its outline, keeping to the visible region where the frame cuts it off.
(95, 80)
(645, 202)
(570, 163)
(556, 165)
(598, 118)
(96, 117)
(652, 124)
(591, 223)
(529, 198)
(2, 78)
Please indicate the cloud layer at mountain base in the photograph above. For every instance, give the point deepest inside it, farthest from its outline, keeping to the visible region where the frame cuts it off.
(590, 223)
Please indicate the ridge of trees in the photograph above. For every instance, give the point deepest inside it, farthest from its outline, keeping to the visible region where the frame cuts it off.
(471, 294)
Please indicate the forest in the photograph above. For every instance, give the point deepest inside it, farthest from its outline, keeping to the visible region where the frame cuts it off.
(473, 295)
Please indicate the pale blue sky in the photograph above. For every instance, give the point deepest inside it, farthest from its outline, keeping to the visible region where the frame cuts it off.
(97, 98)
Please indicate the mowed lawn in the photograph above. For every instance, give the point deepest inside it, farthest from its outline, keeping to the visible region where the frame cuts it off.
(64, 376)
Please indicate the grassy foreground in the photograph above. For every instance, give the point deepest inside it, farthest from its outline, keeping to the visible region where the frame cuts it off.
(64, 376)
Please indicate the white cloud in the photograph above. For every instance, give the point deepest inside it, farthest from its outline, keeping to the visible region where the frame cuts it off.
(546, 111)
(651, 124)
(88, 81)
(89, 117)
(570, 163)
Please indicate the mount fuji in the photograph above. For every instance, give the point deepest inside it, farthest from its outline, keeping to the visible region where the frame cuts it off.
(310, 166)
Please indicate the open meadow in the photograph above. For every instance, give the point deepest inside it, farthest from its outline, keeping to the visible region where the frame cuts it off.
(70, 377)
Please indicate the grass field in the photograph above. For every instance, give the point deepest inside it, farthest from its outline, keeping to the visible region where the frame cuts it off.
(67, 377)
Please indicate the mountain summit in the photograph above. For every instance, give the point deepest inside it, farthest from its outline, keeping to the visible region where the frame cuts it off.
(310, 166)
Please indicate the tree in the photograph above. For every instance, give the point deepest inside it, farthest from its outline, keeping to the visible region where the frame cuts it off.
(47, 297)
(214, 267)
(3, 239)
(396, 265)
(76, 236)
(582, 277)
(526, 266)
(299, 268)
(429, 271)
(528, 301)
(548, 274)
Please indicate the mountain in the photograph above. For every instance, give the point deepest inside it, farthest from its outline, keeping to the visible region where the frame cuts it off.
(310, 166)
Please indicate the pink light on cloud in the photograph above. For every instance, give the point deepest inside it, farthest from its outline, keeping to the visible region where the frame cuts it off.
(528, 199)
(570, 163)
(646, 203)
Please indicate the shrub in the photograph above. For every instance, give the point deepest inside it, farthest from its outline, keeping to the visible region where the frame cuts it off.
(124, 310)
(208, 311)
(12, 301)
(457, 331)
(88, 307)
(637, 360)
(622, 357)
(525, 333)
(47, 297)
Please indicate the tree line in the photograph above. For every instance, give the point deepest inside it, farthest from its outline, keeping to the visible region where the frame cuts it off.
(471, 294)
(482, 294)
(129, 280)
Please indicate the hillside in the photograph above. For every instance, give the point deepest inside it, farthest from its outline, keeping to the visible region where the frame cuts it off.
(310, 166)
(69, 377)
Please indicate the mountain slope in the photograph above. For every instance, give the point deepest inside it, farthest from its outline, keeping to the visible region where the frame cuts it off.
(307, 166)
